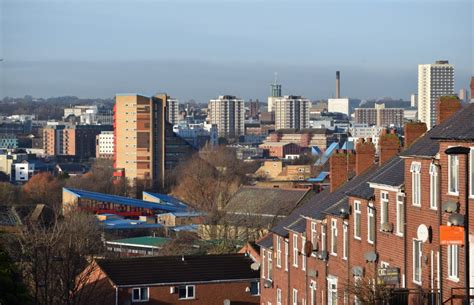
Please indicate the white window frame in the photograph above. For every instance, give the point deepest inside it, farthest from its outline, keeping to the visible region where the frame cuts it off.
(303, 256)
(295, 297)
(370, 223)
(332, 281)
(357, 220)
(345, 240)
(134, 300)
(287, 252)
(383, 207)
(434, 186)
(417, 259)
(269, 265)
(263, 263)
(187, 297)
(323, 237)
(453, 262)
(314, 236)
(295, 250)
(333, 237)
(400, 226)
(471, 173)
(453, 160)
(415, 170)
(278, 261)
(278, 296)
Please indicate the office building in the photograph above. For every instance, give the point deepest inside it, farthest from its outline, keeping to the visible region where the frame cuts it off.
(105, 145)
(197, 135)
(172, 110)
(291, 112)
(342, 105)
(434, 80)
(414, 100)
(62, 139)
(275, 92)
(228, 113)
(379, 116)
(145, 144)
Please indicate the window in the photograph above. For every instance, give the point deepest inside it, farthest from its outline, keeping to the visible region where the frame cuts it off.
(286, 255)
(383, 207)
(255, 288)
(400, 215)
(278, 251)
(278, 296)
(345, 241)
(295, 296)
(333, 236)
(140, 294)
(434, 186)
(417, 252)
(453, 167)
(303, 257)
(370, 224)
(323, 237)
(416, 183)
(332, 291)
(270, 266)
(186, 292)
(357, 214)
(312, 287)
(263, 263)
(471, 171)
(295, 250)
(314, 236)
(453, 262)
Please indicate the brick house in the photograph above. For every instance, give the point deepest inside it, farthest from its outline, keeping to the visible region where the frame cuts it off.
(203, 280)
(378, 216)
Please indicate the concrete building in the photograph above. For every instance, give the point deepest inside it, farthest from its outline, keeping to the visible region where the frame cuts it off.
(414, 100)
(197, 134)
(321, 137)
(342, 105)
(275, 92)
(379, 116)
(71, 140)
(8, 141)
(105, 144)
(228, 113)
(434, 80)
(172, 110)
(291, 111)
(463, 95)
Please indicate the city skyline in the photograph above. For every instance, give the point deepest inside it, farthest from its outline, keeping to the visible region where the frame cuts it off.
(103, 51)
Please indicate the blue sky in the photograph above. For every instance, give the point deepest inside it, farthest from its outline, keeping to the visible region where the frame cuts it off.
(201, 49)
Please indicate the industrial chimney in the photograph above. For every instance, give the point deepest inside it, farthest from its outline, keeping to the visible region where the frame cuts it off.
(338, 84)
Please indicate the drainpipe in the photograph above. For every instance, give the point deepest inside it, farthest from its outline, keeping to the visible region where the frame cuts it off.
(116, 295)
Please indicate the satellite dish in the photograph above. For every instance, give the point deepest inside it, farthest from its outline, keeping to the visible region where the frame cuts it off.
(255, 266)
(370, 256)
(422, 233)
(357, 271)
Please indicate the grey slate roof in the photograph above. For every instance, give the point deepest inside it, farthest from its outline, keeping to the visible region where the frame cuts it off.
(266, 241)
(298, 226)
(458, 127)
(392, 173)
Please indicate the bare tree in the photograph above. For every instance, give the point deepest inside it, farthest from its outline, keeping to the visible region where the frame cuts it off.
(368, 290)
(55, 261)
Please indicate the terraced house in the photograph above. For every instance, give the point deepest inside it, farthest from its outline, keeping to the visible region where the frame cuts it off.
(391, 224)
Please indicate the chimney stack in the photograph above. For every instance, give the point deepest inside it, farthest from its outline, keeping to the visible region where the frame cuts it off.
(446, 106)
(389, 145)
(341, 167)
(412, 131)
(338, 84)
(365, 155)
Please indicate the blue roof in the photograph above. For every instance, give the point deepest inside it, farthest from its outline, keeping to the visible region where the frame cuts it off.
(190, 228)
(185, 214)
(327, 154)
(319, 178)
(349, 145)
(169, 200)
(123, 200)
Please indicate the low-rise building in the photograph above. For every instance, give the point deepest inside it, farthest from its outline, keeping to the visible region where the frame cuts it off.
(205, 279)
(137, 246)
(280, 149)
(173, 219)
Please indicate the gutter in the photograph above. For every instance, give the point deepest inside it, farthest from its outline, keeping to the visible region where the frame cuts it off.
(187, 283)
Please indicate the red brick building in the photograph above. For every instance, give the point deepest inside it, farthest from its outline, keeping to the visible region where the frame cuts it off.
(380, 218)
(193, 280)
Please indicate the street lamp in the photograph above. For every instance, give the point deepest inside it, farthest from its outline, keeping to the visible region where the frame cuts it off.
(460, 150)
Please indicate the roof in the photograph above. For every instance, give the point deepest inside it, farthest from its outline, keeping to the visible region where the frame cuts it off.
(122, 200)
(266, 241)
(320, 178)
(265, 201)
(178, 269)
(460, 126)
(298, 226)
(144, 241)
(184, 214)
(167, 199)
(124, 224)
(393, 173)
(71, 167)
(306, 130)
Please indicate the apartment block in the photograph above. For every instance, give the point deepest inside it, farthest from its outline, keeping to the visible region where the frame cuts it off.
(291, 111)
(434, 80)
(172, 110)
(381, 227)
(228, 113)
(105, 144)
(379, 116)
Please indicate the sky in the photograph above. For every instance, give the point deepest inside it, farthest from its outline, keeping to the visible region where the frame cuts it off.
(199, 49)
